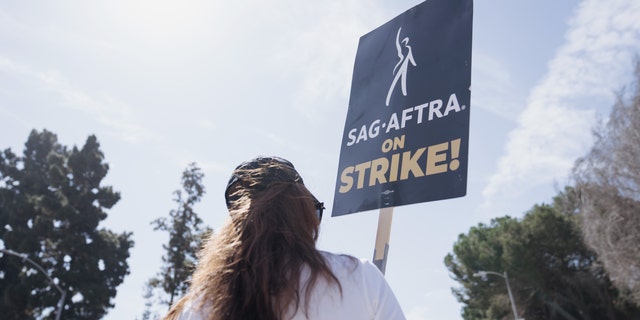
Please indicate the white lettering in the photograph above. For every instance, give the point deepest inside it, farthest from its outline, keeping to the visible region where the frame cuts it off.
(393, 123)
(352, 137)
(434, 108)
(374, 129)
(362, 136)
(410, 115)
(419, 109)
(452, 105)
(406, 116)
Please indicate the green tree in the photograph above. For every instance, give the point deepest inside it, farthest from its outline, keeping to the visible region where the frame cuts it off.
(51, 205)
(608, 179)
(148, 313)
(552, 273)
(185, 238)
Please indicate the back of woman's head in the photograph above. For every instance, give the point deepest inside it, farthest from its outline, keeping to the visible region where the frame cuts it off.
(268, 195)
(251, 268)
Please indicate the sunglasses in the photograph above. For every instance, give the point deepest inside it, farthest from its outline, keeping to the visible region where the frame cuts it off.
(319, 209)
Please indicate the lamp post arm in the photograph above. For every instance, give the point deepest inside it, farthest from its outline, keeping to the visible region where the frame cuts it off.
(506, 280)
(26, 258)
(46, 274)
(495, 273)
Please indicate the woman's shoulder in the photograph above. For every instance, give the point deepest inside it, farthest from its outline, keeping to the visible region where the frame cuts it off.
(362, 284)
(335, 258)
(349, 263)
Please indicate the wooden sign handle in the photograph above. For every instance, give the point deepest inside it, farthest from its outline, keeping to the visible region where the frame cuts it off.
(383, 235)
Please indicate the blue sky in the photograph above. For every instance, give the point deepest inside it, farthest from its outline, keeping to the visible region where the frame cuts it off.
(164, 83)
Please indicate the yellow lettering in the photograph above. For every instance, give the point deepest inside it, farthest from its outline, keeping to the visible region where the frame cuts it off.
(398, 143)
(379, 167)
(436, 155)
(395, 163)
(346, 181)
(362, 170)
(401, 166)
(410, 164)
(387, 145)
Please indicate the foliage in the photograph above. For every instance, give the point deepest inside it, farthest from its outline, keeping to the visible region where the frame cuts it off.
(51, 205)
(608, 179)
(185, 238)
(552, 273)
(148, 313)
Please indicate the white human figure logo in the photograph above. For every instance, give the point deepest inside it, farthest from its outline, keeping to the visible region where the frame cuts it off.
(403, 64)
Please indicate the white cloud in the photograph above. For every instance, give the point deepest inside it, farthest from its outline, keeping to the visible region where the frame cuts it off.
(555, 127)
(493, 79)
(323, 45)
(116, 115)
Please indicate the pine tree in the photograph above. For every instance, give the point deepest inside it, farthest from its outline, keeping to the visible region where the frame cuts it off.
(185, 238)
(551, 271)
(51, 204)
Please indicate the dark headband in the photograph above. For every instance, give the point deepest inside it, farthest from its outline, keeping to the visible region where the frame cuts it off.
(276, 170)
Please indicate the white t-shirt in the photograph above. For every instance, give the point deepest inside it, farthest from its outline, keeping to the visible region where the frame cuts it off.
(366, 295)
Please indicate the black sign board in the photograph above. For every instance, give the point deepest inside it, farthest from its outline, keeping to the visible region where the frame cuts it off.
(406, 134)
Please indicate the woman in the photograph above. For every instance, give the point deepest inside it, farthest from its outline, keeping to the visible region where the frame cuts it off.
(263, 263)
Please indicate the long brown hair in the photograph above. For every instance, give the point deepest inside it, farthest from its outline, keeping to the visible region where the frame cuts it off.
(251, 268)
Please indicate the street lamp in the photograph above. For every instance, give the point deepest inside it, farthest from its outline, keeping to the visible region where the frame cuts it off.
(483, 274)
(46, 274)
